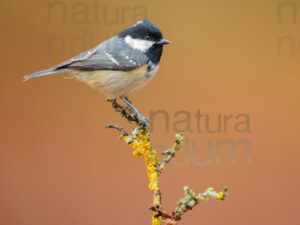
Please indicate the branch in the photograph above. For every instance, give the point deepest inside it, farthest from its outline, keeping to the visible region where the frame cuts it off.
(139, 141)
(170, 153)
(191, 200)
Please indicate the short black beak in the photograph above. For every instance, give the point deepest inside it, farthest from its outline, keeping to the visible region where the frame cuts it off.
(163, 42)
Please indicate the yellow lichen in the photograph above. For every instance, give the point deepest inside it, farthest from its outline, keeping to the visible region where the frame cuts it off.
(142, 147)
(221, 196)
(156, 221)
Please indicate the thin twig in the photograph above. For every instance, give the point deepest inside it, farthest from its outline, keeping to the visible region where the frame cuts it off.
(170, 153)
(191, 200)
(124, 132)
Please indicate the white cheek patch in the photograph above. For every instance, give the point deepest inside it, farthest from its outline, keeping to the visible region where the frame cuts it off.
(139, 44)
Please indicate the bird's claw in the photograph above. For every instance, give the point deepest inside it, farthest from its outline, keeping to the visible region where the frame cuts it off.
(141, 119)
(144, 121)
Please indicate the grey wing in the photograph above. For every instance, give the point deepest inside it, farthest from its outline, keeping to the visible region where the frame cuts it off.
(113, 54)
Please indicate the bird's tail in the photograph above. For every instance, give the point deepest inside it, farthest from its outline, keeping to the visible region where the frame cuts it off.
(47, 72)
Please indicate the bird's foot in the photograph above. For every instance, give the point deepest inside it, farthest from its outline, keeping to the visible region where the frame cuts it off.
(142, 119)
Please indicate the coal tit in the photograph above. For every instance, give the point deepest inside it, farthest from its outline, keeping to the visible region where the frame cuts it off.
(119, 65)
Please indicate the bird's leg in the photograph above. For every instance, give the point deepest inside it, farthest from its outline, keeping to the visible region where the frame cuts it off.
(126, 99)
(141, 118)
(124, 110)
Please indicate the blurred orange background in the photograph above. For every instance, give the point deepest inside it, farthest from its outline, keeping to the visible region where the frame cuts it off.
(59, 165)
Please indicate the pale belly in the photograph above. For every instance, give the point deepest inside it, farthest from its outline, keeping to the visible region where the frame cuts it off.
(115, 83)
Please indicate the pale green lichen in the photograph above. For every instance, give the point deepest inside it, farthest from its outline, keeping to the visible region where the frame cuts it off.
(190, 199)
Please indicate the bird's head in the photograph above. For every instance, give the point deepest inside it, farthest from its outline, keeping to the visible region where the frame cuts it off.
(143, 36)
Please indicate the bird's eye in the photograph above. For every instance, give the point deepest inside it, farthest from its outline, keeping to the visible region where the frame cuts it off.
(147, 37)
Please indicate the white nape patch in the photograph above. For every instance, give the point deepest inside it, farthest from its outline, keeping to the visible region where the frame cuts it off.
(112, 58)
(139, 44)
(138, 22)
